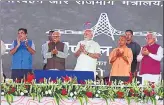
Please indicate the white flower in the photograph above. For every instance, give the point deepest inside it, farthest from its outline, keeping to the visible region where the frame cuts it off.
(98, 91)
(46, 92)
(157, 97)
(138, 82)
(2, 93)
(97, 95)
(94, 82)
(122, 86)
(74, 97)
(25, 91)
(75, 93)
(121, 82)
(21, 93)
(71, 94)
(49, 91)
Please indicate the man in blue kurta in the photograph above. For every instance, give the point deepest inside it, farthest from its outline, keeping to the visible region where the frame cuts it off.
(22, 50)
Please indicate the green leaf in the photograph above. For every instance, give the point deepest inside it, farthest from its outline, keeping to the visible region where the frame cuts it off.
(152, 101)
(155, 101)
(39, 97)
(81, 100)
(12, 98)
(57, 99)
(86, 99)
(128, 100)
(106, 101)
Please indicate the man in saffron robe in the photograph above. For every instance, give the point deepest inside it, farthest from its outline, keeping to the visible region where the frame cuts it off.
(149, 58)
(120, 59)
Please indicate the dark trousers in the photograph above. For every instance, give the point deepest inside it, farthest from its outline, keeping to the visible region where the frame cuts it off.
(44, 67)
(20, 73)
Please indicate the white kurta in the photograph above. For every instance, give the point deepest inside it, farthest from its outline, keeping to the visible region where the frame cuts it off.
(3, 49)
(85, 62)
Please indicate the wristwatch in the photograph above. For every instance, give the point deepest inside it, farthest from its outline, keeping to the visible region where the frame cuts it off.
(88, 53)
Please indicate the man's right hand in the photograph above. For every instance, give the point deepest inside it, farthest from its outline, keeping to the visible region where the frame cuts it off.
(119, 53)
(82, 48)
(18, 42)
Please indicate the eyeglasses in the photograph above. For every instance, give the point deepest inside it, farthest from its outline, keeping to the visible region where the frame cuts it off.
(56, 36)
(148, 38)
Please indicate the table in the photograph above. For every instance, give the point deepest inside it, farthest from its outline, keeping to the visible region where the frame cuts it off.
(53, 74)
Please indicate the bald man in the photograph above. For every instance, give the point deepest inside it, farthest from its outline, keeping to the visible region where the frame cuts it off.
(120, 59)
(150, 58)
(56, 52)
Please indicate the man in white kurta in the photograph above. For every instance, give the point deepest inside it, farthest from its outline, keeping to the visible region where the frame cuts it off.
(3, 49)
(87, 51)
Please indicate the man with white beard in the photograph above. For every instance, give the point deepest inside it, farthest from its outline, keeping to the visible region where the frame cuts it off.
(87, 51)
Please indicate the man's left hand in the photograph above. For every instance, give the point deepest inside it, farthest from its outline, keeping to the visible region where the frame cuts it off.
(146, 52)
(55, 51)
(26, 43)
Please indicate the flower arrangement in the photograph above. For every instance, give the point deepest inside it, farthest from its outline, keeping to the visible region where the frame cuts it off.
(69, 87)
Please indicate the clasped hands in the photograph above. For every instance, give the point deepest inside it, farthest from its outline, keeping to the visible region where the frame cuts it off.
(82, 49)
(119, 53)
(54, 51)
(19, 41)
(145, 51)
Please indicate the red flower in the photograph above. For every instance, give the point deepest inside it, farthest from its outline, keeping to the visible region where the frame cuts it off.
(26, 86)
(89, 94)
(120, 94)
(66, 78)
(152, 93)
(17, 80)
(109, 83)
(131, 90)
(146, 92)
(133, 95)
(54, 81)
(41, 80)
(9, 92)
(82, 82)
(64, 92)
(30, 77)
(13, 89)
(152, 86)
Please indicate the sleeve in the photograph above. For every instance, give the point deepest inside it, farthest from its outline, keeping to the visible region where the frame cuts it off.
(3, 48)
(130, 56)
(12, 45)
(33, 45)
(139, 57)
(111, 55)
(138, 49)
(63, 54)
(45, 52)
(97, 49)
(158, 56)
(77, 47)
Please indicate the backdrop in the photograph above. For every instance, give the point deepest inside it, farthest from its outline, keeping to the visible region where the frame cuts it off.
(108, 19)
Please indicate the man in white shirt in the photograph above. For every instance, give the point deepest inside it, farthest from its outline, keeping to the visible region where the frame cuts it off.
(87, 51)
(150, 58)
(3, 49)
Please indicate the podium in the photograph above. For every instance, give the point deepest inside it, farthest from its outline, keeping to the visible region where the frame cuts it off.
(54, 74)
